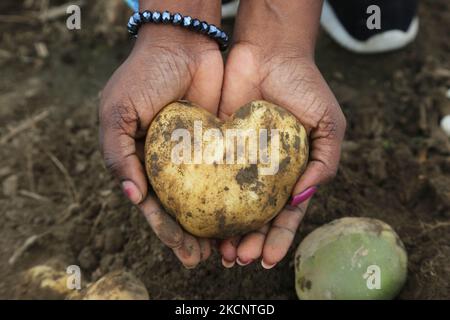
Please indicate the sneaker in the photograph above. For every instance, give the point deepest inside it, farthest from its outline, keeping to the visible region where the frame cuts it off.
(229, 8)
(346, 22)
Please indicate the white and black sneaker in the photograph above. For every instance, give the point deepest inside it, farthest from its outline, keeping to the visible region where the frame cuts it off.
(356, 27)
(229, 8)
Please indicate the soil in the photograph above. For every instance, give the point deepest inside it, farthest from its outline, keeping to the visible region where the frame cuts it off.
(55, 192)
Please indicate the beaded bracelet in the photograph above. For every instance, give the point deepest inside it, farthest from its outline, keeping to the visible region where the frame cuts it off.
(210, 30)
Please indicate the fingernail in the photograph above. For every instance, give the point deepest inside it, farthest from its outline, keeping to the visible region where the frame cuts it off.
(301, 197)
(267, 266)
(131, 191)
(243, 263)
(227, 264)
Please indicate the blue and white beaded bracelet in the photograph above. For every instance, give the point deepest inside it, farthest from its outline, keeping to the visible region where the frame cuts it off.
(138, 19)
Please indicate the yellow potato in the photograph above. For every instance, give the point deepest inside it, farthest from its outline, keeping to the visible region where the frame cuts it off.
(51, 281)
(46, 281)
(117, 285)
(219, 179)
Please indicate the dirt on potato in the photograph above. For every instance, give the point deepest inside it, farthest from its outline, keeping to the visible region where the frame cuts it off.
(216, 198)
(57, 201)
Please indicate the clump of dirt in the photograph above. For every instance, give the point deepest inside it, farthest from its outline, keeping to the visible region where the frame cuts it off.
(58, 202)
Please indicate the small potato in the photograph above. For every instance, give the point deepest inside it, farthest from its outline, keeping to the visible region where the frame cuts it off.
(350, 258)
(46, 281)
(117, 285)
(221, 179)
(51, 281)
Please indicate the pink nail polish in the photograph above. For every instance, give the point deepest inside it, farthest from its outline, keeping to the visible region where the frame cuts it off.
(131, 191)
(301, 197)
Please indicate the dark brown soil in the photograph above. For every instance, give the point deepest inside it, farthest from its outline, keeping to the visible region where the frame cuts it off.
(395, 163)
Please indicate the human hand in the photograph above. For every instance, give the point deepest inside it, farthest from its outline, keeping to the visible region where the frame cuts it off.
(166, 64)
(281, 69)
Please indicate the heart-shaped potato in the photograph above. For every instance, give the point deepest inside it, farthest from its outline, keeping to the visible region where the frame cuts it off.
(222, 179)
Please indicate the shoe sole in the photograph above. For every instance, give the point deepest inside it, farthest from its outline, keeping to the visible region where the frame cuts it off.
(383, 42)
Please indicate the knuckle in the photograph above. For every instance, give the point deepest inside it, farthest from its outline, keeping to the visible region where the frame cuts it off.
(111, 161)
(115, 158)
(189, 253)
(166, 229)
(295, 211)
(120, 116)
(284, 229)
(175, 241)
(123, 118)
(332, 125)
(329, 125)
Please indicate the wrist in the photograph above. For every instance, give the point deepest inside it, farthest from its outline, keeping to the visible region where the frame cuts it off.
(175, 37)
(278, 26)
(204, 10)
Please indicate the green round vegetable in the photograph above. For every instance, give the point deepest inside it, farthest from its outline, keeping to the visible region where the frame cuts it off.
(350, 258)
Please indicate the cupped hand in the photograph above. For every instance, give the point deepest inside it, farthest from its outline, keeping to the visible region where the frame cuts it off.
(163, 67)
(291, 80)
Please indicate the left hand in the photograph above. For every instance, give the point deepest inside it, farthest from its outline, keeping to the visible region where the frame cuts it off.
(166, 64)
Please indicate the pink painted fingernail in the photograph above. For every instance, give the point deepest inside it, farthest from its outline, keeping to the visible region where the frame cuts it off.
(227, 264)
(267, 266)
(301, 197)
(131, 191)
(243, 263)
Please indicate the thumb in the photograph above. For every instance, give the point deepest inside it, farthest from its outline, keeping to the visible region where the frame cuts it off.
(206, 84)
(324, 160)
(241, 82)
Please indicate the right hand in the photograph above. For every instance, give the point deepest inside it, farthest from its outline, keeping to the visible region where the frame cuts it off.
(278, 65)
(290, 79)
(165, 65)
